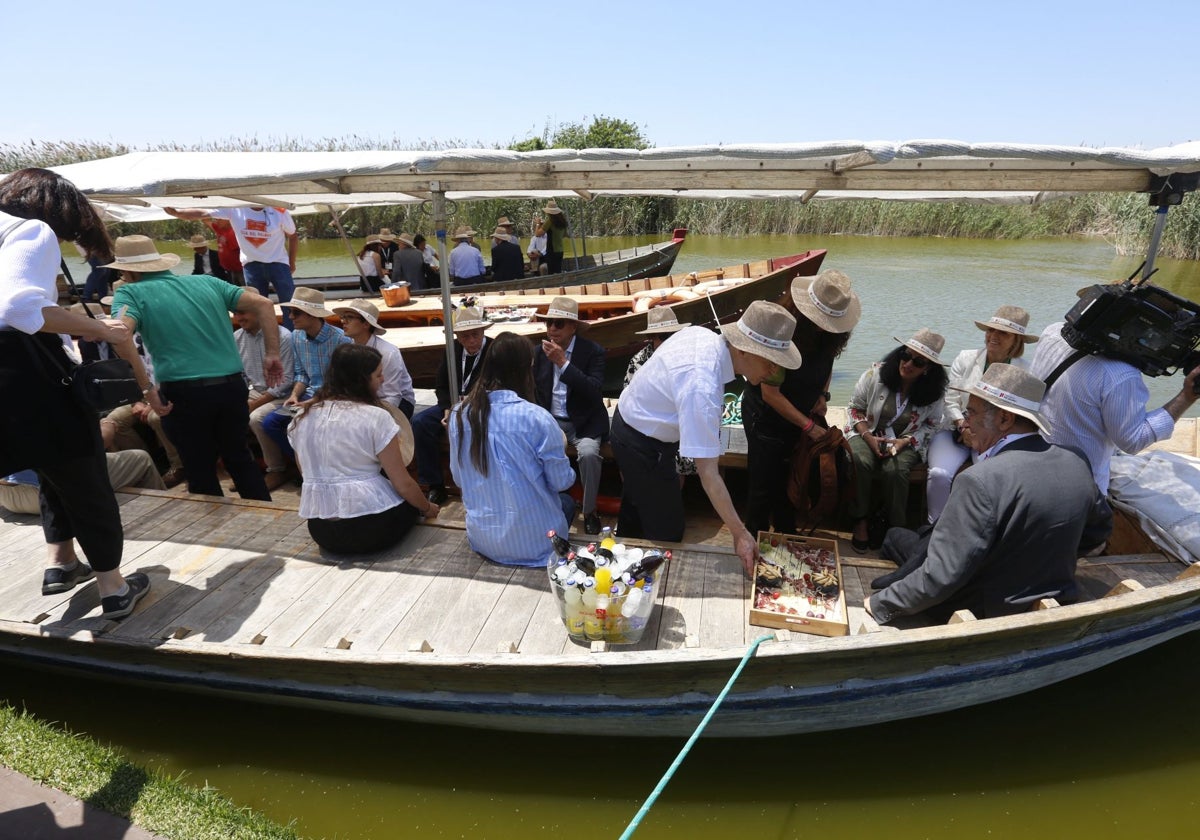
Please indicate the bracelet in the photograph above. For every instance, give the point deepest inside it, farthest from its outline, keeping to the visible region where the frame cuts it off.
(146, 391)
(811, 423)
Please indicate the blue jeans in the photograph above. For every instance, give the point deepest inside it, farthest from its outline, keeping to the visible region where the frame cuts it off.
(262, 276)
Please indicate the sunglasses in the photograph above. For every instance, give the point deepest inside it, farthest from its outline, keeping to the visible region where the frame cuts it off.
(557, 323)
(913, 359)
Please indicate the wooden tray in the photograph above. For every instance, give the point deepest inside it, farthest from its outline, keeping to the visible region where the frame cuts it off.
(794, 585)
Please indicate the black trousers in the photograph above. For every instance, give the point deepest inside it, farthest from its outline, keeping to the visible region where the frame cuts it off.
(768, 467)
(651, 498)
(210, 420)
(363, 534)
(78, 502)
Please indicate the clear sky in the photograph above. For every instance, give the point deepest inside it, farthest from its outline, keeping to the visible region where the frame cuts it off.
(1097, 73)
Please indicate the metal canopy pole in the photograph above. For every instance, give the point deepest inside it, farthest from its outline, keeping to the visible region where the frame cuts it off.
(337, 223)
(1166, 191)
(1160, 222)
(439, 227)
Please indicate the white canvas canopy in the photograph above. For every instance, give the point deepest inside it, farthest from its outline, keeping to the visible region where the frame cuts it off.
(136, 186)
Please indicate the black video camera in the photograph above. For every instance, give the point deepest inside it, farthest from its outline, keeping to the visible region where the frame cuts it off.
(1143, 325)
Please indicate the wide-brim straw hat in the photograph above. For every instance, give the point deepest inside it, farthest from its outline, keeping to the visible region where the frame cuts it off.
(406, 238)
(137, 253)
(661, 319)
(926, 342)
(1009, 319)
(463, 233)
(386, 235)
(551, 207)
(501, 234)
(470, 318)
(372, 239)
(503, 222)
(309, 301)
(198, 241)
(562, 307)
(1012, 389)
(765, 329)
(828, 301)
(366, 309)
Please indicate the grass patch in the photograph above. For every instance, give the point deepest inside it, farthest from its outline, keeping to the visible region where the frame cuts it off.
(104, 779)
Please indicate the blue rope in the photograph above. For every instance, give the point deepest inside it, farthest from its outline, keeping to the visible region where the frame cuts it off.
(712, 710)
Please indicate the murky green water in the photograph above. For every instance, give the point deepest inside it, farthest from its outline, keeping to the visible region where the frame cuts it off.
(1113, 754)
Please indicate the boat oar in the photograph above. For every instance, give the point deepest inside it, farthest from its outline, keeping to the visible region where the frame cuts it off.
(712, 710)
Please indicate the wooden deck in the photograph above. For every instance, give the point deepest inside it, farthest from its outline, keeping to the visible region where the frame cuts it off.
(246, 573)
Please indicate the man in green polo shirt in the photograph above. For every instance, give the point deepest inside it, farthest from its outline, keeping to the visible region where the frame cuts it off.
(200, 392)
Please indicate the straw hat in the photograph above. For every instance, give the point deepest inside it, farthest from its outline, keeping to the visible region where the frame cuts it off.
(661, 319)
(1009, 319)
(463, 232)
(926, 342)
(562, 307)
(406, 238)
(470, 318)
(137, 253)
(827, 301)
(1012, 389)
(198, 241)
(366, 309)
(372, 239)
(309, 301)
(765, 329)
(501, 234)
(551, 208)
(503, 222)
(386, 235)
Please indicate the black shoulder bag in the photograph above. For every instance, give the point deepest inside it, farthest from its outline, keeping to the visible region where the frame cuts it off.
(106, 384)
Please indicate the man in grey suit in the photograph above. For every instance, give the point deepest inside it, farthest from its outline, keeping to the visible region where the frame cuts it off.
(1014, 524)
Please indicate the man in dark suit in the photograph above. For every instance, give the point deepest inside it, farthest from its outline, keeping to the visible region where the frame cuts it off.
(429, 426)
(205, 260)
(507, 261)
(1014, 524)
(567, 377)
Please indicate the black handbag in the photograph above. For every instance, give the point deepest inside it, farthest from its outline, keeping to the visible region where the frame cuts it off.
(104, 385)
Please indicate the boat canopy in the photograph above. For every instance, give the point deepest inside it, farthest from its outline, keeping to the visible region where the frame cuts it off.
(136, 186)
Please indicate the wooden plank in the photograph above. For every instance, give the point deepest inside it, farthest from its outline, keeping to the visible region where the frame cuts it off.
(462, 620)
(1095, 581)
(726, 590)
(442, 595)
(513, 611)
(681, 603)
(1124, 587)
(337, 623)
(1150, 574)
(545, 634)
(409, 586)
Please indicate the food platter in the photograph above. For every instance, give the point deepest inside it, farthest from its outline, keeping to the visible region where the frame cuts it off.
(798, 585)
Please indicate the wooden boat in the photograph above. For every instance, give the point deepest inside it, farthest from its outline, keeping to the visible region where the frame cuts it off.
(586, 269)
(244, 604)
(609, 308)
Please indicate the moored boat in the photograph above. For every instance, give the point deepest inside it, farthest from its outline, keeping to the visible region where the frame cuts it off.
(614, 311)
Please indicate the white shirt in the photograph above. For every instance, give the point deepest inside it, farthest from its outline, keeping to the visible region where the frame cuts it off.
(252, 347)
(537, 244)
(558, 394)
(397, 382)
(337, 445)
(1098, 405)
(261, 234)
(29, 258)
(679, 394)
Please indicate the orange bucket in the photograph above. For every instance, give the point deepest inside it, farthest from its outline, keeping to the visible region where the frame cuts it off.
(396, 295)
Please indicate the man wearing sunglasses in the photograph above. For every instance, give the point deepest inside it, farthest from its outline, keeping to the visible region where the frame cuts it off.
(567, 376)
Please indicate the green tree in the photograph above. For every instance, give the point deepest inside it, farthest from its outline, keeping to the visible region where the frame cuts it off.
(601, 133)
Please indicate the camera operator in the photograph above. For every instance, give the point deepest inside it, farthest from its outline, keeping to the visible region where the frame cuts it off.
(1098, 405)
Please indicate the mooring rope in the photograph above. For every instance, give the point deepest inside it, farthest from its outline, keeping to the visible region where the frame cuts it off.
(712, 710)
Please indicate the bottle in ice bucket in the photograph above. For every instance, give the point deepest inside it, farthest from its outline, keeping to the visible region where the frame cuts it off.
(649, 564)
(561, 547)
(606, 538)
(573, 609)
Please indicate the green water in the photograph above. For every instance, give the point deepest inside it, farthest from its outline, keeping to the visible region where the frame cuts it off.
(1112, 754)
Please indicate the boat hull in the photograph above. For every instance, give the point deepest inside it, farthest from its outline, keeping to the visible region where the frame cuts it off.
(789, 687)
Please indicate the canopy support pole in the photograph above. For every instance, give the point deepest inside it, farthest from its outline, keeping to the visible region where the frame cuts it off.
(1160, 222)
(1166, 191)
(439, 227)
(337, 223)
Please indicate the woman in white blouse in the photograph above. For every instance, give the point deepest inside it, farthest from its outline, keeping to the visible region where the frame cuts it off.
(1005, 335)
(342, 441)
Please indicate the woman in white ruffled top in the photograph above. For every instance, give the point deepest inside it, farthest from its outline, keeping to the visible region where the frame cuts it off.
(1005, 335)
(342, 441)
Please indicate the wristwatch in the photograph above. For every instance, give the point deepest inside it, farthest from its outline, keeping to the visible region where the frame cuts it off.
(828, 396)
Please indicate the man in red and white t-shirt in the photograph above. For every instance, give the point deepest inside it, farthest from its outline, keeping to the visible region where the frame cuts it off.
(267, 238)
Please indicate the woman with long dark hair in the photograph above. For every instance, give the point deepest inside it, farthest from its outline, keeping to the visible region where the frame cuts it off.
(508, 455)
(44, 427)
(896, 408)
(370, 264)
(778, 412)
(556, 233)
(342, 441)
